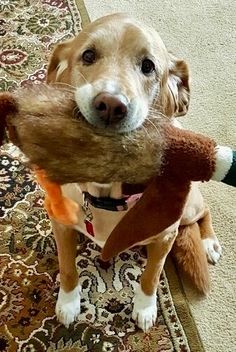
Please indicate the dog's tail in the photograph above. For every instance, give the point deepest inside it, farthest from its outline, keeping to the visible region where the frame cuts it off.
(189, 254)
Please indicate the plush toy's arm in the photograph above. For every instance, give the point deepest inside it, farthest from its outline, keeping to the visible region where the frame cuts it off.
(63, 209)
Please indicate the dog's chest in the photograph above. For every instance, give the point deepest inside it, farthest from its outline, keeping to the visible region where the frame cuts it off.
(95, 222)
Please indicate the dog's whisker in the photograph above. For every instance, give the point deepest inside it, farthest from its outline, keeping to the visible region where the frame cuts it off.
(83, 77)
(67, 90)
(156, 115)
(155, 127)
(64, 84)
(153, 113)
(75, 112)
(146, 131)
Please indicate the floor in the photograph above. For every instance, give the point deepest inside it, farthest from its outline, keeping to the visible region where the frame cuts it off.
(202, 32)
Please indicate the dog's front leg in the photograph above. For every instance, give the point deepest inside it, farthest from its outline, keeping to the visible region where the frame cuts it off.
(145, 306)
(68, 301)
(210, 242)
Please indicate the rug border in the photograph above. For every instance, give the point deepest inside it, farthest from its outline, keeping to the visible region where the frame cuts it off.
(182, 308)
(83, 12)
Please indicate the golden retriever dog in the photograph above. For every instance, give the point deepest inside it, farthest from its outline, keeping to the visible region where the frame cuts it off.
(121, 72)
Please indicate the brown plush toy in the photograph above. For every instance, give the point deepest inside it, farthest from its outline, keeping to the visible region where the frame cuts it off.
(63, 148)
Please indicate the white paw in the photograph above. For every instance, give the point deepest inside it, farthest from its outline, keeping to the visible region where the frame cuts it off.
(212, 249)
(144, 310)
(68, 306)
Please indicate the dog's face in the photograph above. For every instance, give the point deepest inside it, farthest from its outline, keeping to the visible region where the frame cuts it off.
(120, 69)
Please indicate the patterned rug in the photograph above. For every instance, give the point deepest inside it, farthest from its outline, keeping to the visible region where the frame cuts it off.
(29, 279)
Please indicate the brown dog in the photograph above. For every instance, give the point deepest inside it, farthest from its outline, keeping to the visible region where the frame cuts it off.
(120, 71)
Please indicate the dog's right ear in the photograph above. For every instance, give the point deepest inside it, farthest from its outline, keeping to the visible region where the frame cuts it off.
(59, 66)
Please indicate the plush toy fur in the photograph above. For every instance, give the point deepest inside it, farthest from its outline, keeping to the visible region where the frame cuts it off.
(44, 122)
(55, 137)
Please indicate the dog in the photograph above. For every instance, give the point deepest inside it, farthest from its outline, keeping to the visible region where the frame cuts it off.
(121, 72)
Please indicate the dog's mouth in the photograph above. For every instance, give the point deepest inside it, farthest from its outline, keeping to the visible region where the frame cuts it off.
(132, 121)
(110, 111)
(105, 130)
(121, 127)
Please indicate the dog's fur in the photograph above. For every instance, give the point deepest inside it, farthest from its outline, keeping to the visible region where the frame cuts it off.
(120, 45)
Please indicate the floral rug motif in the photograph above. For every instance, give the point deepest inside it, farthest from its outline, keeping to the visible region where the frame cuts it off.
(29, 280)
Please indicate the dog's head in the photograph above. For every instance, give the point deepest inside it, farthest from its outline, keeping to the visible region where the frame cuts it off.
(120, 69)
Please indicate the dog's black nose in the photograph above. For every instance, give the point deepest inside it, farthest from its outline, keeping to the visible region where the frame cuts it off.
(110, 108)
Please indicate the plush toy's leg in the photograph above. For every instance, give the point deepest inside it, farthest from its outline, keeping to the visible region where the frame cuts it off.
(168, 196)
(68, 302)
(210, 242)
(145, 307)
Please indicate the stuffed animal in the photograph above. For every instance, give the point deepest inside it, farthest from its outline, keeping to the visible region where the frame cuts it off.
(62, 148)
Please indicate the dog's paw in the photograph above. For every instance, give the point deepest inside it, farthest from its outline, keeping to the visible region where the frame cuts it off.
(212, 249)
(68, 306)
(144, 310)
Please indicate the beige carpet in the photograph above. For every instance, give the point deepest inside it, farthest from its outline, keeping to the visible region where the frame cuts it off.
(202, 32)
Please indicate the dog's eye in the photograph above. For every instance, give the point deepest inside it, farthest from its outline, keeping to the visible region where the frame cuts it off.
(89, 56)
(147, 66)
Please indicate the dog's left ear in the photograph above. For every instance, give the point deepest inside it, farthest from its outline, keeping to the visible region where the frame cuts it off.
(178, 82)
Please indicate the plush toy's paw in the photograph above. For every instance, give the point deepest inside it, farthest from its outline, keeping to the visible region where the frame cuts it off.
(212, 249)
(68, 306)
(65, 213)
(144, 310)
